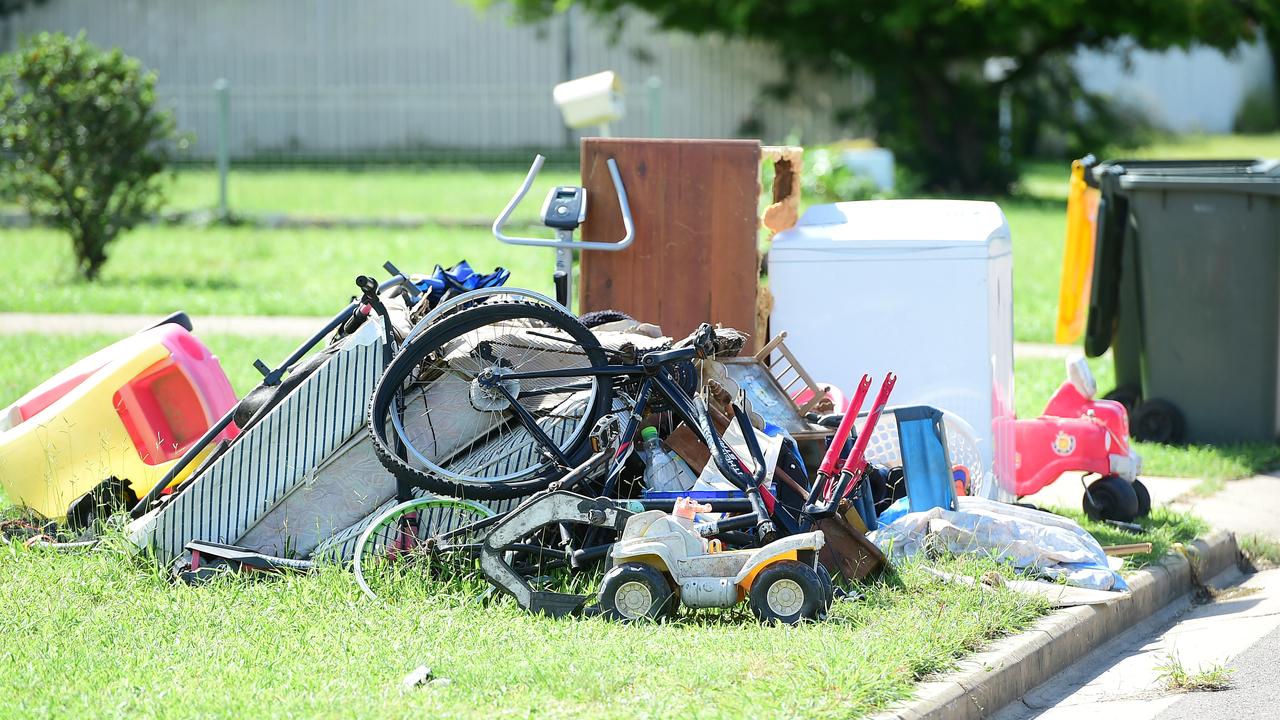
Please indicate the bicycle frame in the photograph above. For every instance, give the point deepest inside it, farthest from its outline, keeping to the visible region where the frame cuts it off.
(657, 378)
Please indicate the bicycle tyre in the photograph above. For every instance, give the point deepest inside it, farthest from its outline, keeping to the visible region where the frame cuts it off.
(441, 480)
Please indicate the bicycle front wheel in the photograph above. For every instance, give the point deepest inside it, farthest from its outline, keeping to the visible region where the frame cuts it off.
(464, 438)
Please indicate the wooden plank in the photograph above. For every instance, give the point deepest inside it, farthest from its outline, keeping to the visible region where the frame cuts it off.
(1129, 549)
(695, 256)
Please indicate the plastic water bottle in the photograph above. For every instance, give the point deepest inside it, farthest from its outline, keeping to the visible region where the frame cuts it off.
(660, 472)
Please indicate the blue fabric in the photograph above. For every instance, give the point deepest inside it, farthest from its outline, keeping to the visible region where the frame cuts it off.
(461, 278)
(900, 507)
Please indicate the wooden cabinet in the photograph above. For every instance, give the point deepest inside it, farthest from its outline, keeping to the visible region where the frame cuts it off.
(696, 254)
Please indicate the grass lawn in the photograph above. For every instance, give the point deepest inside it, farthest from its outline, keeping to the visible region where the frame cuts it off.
(447, 192)
(104, 635)
(242, 271)
(254, 271)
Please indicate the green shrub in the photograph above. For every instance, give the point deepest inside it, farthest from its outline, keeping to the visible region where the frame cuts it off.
(81, 140)
(1258, 112)
(827, 179)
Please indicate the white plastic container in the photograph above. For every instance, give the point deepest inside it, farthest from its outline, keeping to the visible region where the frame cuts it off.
(922, 288)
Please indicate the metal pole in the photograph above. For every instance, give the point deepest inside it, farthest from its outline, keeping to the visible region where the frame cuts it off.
(567, 70)
(222, 93)
(653, 103)
(1006, 125)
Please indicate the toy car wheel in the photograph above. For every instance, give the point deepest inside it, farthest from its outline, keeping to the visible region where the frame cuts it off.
(1111, 498)
(788, 592)
(635, 591)
(828, 587)
(1144, 498)
(1157, 421)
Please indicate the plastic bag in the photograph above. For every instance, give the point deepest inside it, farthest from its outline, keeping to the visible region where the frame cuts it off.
(1055, 546)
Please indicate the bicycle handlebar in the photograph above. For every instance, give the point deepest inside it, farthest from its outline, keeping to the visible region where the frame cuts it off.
(623, 206)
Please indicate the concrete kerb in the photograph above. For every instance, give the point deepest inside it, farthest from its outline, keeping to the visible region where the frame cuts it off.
(989, 680)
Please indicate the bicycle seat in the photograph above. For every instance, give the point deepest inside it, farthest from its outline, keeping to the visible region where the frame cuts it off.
(665, 357)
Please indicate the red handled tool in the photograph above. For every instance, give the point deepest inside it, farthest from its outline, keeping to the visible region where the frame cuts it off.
(855, 464)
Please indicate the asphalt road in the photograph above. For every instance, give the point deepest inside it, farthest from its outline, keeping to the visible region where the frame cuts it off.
(1255, 681)
(1240, 629)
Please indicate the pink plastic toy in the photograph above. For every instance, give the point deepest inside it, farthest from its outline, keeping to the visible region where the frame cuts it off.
(1080, 433)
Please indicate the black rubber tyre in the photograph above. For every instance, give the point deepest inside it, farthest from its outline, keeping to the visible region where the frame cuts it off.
(1157, 421)
(532, 479)
(1144, 498)
(595, 318)
(828, 587)
(1111, 498)
(788, 592)
(1127, 395)
(635, 591)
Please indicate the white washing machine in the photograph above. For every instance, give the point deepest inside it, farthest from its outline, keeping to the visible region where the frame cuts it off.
(922, 288)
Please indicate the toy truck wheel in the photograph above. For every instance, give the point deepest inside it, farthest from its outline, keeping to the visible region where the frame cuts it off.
(787, 592)
(1111, 498)
(1144, 498)
(828, 587)
(635, 591)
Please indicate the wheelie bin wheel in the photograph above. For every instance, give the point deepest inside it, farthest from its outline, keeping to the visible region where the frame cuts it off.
(1127, 395)
(1157, 421)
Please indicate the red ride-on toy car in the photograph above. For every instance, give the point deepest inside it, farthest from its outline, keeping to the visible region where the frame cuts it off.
(1080, 433)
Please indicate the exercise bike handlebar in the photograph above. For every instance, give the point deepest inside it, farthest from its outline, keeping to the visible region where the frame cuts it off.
(625, 208)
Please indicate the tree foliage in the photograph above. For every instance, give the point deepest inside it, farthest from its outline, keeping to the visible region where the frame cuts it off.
(932, 104)
(82, 144)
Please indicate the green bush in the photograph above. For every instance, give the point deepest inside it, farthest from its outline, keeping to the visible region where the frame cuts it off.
(1258, 112)
(81, 140)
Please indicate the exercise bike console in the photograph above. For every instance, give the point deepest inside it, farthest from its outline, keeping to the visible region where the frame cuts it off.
(563, 211)
(565, 208)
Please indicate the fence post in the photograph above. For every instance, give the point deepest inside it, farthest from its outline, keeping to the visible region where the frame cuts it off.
(653, 103)
(222, 94)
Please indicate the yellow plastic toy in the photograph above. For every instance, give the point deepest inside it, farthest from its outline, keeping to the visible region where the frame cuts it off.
(126, 412)
(1077, 260)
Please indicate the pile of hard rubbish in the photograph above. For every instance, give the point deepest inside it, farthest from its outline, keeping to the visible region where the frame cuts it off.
(446, 420)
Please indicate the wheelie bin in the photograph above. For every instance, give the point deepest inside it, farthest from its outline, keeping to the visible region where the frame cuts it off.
(1186, 293)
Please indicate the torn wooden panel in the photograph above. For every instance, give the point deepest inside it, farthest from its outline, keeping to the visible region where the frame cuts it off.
(695, 256)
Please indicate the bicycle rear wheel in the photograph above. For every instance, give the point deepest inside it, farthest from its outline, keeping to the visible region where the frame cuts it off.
(464, 439)
(417, 541)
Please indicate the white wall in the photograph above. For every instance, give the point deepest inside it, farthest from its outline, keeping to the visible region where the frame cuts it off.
(338, 77)
(1187, 91)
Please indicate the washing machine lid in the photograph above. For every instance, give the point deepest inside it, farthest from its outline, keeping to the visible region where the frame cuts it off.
(974, 227)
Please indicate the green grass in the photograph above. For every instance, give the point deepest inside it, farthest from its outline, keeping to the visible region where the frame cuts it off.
(448, 193)
(1177, 678)
(242, 271)
(1163, 528)
(1213, 146)
(103, 635)
(1261, 551)
(1037, 378)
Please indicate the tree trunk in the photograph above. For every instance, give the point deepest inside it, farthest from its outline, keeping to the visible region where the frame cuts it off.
(943, 127)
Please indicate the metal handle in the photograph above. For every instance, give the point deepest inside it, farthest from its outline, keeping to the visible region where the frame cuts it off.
(623, 206)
